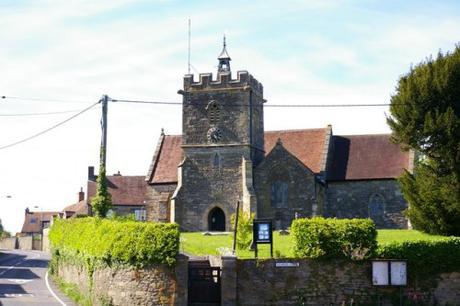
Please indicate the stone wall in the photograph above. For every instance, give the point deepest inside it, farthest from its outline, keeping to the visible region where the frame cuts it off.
(8, 243)
(352, 199)
(328, 283)
(155, 285)
(281, 167)
(25, 243)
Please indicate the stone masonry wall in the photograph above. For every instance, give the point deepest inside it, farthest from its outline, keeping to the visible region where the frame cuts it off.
(282, 166)
(156, 285)
(331, 283)
(25, 243)
(8, 243)
(351, 199)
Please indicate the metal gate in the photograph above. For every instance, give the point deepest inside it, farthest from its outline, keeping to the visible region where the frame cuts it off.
(203, 284)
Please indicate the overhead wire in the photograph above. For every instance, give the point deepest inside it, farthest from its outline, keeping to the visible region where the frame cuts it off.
(265, 105)
(43, 99)
(50, 128)
(39, 114)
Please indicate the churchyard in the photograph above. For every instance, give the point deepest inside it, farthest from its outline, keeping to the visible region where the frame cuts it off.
(201, 244)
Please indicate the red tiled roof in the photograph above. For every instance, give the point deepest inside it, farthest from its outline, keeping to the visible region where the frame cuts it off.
(306, 145)
(361, 157)
(80, 208)
(125, 190)
(169, 158)
(33, 221)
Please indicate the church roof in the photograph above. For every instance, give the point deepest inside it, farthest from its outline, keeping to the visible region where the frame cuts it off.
(307, 145)
(361, 157)
(355, 157)
(125, 190)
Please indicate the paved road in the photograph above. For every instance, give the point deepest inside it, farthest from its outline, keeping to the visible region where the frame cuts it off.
(22, 280)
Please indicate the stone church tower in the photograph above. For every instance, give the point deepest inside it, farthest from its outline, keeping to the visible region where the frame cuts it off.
(222, 141)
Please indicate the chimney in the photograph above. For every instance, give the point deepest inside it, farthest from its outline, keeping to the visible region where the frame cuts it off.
(27, 210)
(118, 173)
(81, 195)
(91, 176)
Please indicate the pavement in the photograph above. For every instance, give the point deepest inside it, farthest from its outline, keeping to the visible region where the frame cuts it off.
(23, 280)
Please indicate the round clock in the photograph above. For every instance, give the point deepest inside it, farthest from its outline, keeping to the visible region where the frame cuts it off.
(214, 134)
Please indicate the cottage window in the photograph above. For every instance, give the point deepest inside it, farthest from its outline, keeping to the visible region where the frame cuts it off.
(140, 214)
(279, 194)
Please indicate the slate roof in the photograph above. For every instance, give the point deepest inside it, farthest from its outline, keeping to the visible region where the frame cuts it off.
(361, 157)
(33, 221)
(125, 190)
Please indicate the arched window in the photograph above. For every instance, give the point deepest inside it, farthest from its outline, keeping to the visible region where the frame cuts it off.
(214, 112)
(279, 194)
(376, 207)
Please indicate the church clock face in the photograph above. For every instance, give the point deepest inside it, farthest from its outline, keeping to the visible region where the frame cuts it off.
(214, 135)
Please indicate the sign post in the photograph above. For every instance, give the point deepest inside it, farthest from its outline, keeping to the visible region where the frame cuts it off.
(262, 234)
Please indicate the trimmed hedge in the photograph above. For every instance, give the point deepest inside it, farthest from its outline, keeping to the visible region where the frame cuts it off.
(425, 257)
(334, 238)
(115, 242)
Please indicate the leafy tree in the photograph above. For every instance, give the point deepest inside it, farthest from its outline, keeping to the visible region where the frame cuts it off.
(244, 230)
(102, 201)
(425, 117)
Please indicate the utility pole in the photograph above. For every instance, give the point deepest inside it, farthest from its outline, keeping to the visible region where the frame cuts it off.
(104, 101)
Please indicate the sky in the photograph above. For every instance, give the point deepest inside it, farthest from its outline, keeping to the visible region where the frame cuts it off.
(62, 56)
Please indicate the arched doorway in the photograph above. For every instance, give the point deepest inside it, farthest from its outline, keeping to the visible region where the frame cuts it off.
(216, 220)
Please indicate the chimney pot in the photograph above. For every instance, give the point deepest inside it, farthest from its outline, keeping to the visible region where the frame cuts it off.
(81, 195)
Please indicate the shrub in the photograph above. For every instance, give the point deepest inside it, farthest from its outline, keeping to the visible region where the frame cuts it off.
(425, 257)
(244, 232)
(334, 238)
(114, 241)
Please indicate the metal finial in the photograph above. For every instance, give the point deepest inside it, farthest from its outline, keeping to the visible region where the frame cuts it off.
(225, 43)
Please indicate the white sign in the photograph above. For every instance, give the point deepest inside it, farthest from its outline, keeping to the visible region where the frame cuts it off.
(286, 264)
(380, 275)
(398, 273)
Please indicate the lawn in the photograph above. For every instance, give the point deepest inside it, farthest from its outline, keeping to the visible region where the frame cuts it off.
(199, 244)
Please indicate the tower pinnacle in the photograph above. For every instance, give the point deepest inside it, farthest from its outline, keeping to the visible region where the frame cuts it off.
(224, 60)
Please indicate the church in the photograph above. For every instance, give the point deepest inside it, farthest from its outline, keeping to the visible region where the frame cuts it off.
(225, 156)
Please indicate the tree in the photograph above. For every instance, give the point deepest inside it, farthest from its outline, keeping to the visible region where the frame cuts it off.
(102, 201)
(425, 117)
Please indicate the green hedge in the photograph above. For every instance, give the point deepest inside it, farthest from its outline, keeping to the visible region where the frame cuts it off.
(114, 241)
(334, 238)
(425, 257)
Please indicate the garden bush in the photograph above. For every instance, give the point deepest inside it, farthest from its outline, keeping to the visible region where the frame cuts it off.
(244, 231)
(115, 241)
(425, 257)
(334, 238)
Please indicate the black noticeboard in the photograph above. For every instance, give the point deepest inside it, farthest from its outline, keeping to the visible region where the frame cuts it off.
(262, 234)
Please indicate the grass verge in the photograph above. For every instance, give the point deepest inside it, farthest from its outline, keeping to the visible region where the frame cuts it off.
(72, 291)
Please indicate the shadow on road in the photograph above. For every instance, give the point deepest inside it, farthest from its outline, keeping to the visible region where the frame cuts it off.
(18, 273)
(33, 263)
(7, 289)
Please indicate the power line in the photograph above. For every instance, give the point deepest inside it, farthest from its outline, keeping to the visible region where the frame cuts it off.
(265, 105)
(39, 114)
(50, 128)
(43, 99)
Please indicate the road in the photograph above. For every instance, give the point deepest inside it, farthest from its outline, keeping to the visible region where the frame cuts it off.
(23, 281)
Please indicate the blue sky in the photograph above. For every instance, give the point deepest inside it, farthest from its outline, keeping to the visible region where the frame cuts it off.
(304, 52)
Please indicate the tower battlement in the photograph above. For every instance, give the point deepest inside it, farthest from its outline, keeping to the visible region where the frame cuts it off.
(223, 81)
